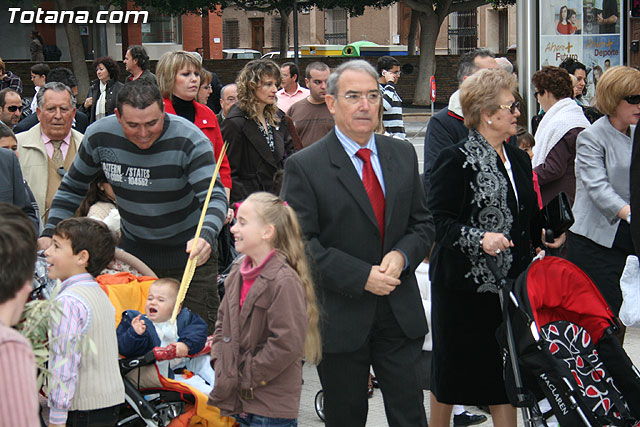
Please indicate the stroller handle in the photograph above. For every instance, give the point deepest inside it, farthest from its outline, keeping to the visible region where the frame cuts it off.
(492, 264)
(129, 364)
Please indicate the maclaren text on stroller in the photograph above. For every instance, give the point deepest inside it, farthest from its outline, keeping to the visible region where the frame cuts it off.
(559, 331)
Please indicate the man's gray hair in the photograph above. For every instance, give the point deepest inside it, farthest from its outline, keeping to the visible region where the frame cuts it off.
(355, 65)
(505, 64)
(56, 87)
(467, 65)
(224, 88)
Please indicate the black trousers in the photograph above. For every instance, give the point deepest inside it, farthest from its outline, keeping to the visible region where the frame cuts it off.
(395, 360)
(202, 297)
(104, 417)
(603, 265)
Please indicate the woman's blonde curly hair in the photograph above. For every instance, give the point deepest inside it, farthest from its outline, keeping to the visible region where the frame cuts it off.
(249, 81)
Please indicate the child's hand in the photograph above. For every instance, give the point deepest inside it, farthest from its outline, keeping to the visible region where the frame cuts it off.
(138, 325)
(181, 349)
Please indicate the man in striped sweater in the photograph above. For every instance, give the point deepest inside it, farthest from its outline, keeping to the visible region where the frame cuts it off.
(389, 71)
(159, 166)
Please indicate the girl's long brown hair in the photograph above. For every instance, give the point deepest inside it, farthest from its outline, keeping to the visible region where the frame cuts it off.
(288, 239)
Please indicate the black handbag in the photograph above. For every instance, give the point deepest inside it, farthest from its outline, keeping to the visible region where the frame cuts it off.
(558, 216)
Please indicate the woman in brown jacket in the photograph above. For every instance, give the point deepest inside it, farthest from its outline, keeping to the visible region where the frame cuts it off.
(268, 319)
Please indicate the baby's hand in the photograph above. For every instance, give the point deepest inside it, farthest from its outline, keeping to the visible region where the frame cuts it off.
(181, 349)
(138, 325)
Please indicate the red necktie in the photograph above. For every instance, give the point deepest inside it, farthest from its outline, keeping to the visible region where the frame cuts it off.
(373, 188)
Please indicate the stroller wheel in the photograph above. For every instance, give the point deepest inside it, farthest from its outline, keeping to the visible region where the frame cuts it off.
(319, 404)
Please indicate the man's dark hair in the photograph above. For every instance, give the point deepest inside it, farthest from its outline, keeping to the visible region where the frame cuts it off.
(92, 236)
(40, 69)
(62, 75)
(386, 63)
(316, 65)
(293, 70)
(139, 94)
(571, 65)
(607, 60)
(140, 55)
(3, 95)
(467, 65)
(110, 65)
(5, 131)
(18, 246)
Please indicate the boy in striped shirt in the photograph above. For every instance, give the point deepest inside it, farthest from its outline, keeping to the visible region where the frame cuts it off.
(85, 387)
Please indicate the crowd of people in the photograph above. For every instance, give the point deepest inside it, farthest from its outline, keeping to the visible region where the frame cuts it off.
(330, 213)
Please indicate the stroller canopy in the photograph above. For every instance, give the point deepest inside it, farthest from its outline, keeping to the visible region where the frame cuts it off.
(555, 289)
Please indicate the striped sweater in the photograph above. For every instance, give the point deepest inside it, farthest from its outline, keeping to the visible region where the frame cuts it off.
(160, 191)
(392, 114)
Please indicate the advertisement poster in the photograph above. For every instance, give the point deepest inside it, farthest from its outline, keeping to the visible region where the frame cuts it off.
(589, 31)
(554, 49)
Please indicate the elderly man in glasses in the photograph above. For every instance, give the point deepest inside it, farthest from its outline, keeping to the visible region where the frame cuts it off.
(10, 107)
(47, 149)
(362, 207)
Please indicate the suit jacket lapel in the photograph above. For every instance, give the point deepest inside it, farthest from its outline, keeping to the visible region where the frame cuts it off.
(349, 177)
(390, 181)
(278, 143)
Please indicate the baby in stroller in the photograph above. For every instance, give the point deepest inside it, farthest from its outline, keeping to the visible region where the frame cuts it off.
(138, 334)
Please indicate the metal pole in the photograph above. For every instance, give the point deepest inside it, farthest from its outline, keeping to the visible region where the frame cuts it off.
(527, 53)
(102, 49)
(295, 33)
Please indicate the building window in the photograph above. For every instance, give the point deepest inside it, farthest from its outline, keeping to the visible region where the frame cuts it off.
(463, 32)
(275, 32)
(159, 28)
(230, 34)
(335, 31)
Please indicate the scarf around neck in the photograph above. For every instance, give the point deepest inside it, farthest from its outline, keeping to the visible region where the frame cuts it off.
(560, 119)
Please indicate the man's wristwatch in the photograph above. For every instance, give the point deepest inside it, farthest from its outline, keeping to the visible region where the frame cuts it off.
(629, 218)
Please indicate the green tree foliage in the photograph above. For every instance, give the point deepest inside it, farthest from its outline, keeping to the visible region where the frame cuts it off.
(431, 15)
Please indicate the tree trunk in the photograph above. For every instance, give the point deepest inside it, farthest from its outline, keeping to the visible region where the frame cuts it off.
(429, 29)
(76, 50)
(284, 32)
(413, 32)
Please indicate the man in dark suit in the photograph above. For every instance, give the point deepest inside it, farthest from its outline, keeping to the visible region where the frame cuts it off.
(446, 127)
(367, 228)
(13, 188)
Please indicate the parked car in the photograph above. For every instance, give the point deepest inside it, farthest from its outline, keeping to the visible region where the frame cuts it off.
(240, 54)
(276, 54)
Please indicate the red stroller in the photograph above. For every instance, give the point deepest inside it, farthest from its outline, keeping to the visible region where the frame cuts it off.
(562, 331)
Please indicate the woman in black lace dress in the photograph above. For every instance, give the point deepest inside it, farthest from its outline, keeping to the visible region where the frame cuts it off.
(483, 203)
